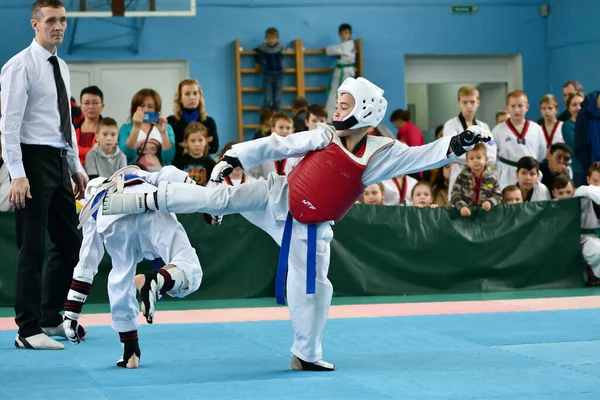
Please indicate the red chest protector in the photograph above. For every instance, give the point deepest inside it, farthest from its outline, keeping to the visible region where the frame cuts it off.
(326, 183)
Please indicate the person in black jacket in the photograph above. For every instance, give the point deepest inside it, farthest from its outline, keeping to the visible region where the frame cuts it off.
(189, 107)
(587, 131)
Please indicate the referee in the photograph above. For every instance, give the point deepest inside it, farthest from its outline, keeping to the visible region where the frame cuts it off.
(39, 148)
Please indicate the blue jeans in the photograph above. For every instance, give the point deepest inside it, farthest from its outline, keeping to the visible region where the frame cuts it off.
(272, 86)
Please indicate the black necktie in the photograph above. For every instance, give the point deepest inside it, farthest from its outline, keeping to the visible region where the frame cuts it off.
(63, 101)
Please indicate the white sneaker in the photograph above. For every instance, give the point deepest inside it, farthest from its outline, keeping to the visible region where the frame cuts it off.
(37, 342)
(60, 331)
(55, 331)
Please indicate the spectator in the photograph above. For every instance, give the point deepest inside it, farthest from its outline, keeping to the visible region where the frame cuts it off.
(568, 131)
(476, 185)
(501, 116)
(512, 195)
(135, 133)
(528, 173)
(264, 127)
(468, 103)
(440, 179)
(422, 196)
(556, 163)
(345, 53)
(516, 138)
(189, 106)
(551, 126)
(92, 104)
(397, 191)
(195, 160)
(587, 131)
(105, 158)
(373, 194)
(270, 60)
(570, 87)
(299, 108)
(408, 132)
(315, 114)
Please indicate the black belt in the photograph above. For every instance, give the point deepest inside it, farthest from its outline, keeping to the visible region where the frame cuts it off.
(45, 149)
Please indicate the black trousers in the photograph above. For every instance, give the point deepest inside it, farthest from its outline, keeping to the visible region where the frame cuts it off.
(51, 209)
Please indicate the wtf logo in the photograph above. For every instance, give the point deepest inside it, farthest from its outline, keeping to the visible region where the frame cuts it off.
(308, 204)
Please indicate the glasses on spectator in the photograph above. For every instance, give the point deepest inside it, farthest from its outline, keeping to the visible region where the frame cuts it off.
(91, 103)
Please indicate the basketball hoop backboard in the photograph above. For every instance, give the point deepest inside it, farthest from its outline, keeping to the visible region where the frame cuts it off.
(132, 8)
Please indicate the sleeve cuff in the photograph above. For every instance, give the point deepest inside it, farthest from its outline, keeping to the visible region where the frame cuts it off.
(75, 166)
(17, 171)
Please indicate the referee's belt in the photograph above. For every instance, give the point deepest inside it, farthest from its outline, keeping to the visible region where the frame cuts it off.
(507, 161)
(46, 148)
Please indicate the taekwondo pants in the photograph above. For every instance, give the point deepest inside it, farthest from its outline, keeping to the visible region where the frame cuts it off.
(591, 252)
(128, 241)
(265, 204)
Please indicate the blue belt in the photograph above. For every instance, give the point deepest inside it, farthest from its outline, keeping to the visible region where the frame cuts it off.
(284, 254)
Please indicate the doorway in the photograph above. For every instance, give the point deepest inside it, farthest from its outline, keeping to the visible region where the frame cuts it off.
(432, 83)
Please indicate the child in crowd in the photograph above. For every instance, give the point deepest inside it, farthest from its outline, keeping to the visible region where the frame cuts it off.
(264, 124)
(105, 158)
(439, 181)
(551, 126)
(344, 68)
(397, 191)
(556, 163)
(512, 195)
(283, 125)
(528, 173)
(270, 60)
(422, 195)
(468, 103)
(568, 132)
(315, 114)
(149, 155)
(195, 160)
(299, 110)
(501, 116)
(516, 138)
(373, 194)
(476, 185)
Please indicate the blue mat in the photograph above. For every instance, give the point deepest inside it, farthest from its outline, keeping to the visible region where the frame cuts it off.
(509, 356)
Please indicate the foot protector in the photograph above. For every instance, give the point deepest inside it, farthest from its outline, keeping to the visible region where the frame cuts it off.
(156, 283)
(131, 353)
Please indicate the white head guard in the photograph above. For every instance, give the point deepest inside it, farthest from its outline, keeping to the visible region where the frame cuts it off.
(370, 106)
(114, 184)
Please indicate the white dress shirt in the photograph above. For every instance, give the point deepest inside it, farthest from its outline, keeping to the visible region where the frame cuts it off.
(30, 112)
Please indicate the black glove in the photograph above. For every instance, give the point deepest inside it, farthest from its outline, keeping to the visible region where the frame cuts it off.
(225, 167)
(467, 139)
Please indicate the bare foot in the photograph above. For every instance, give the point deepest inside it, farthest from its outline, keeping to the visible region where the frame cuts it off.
(139, 281)
(133, 362)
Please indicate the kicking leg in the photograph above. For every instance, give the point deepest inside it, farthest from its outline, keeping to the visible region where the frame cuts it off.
(165, 236)
(183, 198)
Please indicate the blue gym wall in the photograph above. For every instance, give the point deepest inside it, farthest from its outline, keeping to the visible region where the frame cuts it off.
(574, 44)
(555, 49)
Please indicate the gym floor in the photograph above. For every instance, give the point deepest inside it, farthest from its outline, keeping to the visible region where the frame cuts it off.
(511, 345)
